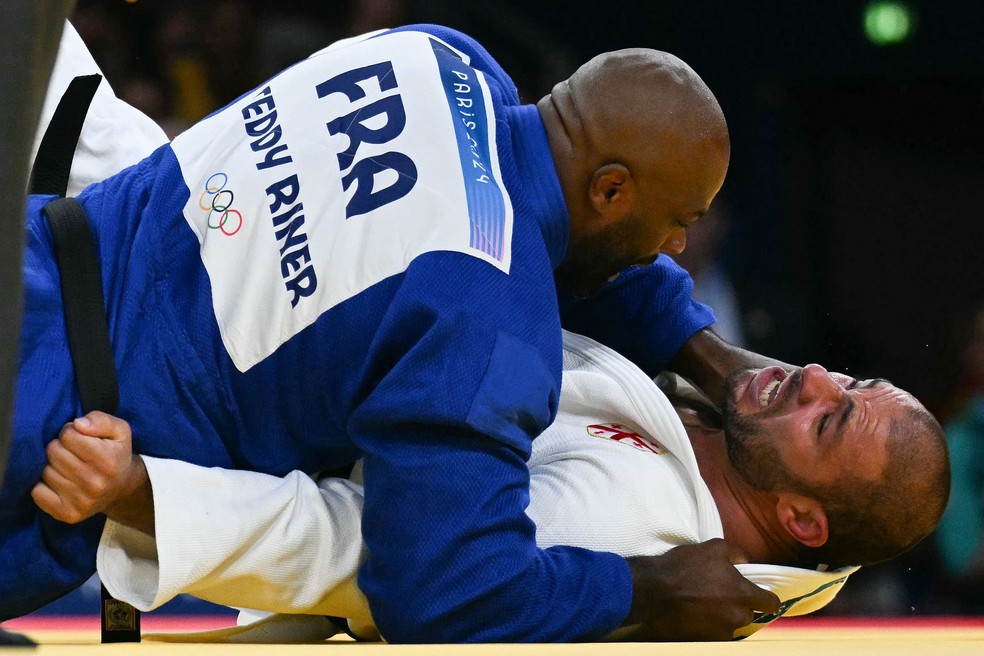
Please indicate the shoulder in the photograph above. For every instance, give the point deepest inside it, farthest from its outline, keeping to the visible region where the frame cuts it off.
(475, 55)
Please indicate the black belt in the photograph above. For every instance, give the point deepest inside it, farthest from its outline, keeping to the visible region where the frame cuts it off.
(82, 293)
(82, 298)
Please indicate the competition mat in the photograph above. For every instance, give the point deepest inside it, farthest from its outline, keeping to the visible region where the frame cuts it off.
(941, 636)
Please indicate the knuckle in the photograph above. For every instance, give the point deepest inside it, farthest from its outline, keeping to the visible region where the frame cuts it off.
(97, 486)
(739, 616)
(70, 515)
(68, 434)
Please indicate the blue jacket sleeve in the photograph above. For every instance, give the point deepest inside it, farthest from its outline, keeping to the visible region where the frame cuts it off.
(646, 314)
(446, 428)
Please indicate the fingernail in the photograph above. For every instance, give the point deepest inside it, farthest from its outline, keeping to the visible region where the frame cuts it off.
(83, 422)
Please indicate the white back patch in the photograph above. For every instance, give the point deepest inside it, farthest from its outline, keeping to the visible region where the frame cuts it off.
(336, 175)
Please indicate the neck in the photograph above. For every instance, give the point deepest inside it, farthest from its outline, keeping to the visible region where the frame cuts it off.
(748, 515)
(560, 138)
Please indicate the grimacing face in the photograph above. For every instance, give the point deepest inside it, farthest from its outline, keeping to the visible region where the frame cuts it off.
(809, 427)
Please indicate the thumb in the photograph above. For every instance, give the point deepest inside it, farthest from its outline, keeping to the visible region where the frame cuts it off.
(100, 424)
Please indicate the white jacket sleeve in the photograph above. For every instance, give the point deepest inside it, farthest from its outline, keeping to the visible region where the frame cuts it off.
(243, 539)
(114, 135)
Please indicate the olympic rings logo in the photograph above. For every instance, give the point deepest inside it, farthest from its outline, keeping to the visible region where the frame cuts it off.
(217, 201)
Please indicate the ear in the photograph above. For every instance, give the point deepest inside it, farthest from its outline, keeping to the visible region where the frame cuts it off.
(802, 518)
(612, 191)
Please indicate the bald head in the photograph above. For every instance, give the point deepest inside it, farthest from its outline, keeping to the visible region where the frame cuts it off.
(873, 521)
(636, 104)
(641, 148)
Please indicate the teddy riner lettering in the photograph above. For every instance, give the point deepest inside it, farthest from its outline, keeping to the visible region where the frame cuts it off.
(261, 125)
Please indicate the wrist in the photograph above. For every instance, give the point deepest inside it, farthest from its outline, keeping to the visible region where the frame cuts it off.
(134, 505)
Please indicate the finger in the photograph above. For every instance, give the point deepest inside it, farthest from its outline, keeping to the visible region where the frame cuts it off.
(763, 600)
(73, 478)
(61, 485)
(100, 424)
(88, 448)
(49, 501)
(77, 500)
(97, 450)
(65, 460)
(46, 499)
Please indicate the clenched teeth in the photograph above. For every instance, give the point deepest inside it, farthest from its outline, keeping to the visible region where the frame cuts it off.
(764, 397)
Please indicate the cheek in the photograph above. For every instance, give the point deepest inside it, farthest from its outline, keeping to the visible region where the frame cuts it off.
(868, 463)
(656, 233)
(792, 440)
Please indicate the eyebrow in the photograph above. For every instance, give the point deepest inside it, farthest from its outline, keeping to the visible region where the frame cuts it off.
(868, 384)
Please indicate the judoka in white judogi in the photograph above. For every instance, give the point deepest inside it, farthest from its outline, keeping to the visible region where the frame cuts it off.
(615, 472)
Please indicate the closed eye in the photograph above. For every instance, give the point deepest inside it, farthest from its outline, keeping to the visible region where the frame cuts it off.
(823, 420)
(845, 413)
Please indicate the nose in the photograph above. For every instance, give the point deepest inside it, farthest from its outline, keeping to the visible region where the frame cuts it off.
(676, 242)
(819, 385)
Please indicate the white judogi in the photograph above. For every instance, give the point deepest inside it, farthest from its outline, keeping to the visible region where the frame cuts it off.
(615, 472)
(114, 134)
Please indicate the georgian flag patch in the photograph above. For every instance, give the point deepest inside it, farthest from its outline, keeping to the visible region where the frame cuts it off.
(624, 435)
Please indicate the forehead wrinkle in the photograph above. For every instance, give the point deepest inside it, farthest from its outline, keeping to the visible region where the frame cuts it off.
(878, 408)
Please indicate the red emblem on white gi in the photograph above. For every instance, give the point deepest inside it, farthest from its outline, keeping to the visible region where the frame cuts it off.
(625, 435)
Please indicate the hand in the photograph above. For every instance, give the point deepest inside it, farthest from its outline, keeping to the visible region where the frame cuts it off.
(91, 467)
(694, 592)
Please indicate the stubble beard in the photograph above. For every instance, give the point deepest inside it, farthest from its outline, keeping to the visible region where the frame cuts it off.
(590, 263)
(751, 452)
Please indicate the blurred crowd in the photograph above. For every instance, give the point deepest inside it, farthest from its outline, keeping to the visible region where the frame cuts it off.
(179, 60)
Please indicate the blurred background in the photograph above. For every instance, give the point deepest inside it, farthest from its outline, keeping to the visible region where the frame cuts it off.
(850, 230)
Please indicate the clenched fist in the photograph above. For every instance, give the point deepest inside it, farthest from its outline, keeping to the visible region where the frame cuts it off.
(91, 469)
(694, 592)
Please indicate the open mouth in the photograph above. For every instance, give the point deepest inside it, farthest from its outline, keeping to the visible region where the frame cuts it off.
(773, 379)
(769, 393)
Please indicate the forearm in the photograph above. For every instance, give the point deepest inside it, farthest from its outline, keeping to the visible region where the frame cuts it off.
(647, 314)
(241, 538)
(706, 360)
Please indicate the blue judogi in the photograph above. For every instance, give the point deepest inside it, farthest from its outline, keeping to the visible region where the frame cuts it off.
(353, 260)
